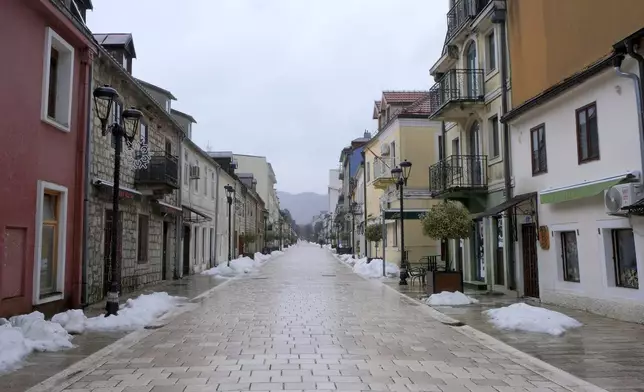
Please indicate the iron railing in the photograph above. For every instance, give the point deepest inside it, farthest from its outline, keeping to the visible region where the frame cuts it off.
(163, 169)
(458, 172)
(462, 12)
(382, 167)
(457, 85)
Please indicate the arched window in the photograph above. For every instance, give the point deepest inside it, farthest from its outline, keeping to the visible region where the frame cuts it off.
(471, 65)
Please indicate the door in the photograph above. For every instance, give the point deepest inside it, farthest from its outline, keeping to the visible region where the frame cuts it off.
(530, 265)
(478, 252)
(107, 248)
(474, 160)
(470, 69)
(186, 250)
(164, 255)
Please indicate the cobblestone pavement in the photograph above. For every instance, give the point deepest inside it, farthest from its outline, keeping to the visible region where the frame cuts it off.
(308, 323)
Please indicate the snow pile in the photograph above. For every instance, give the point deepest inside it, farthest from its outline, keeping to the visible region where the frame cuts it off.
(21, 335)
(136, 313)
(276, 253)
(347, 259)
(448, 298)
(373, 269)
(523, 317)
(242, 265)
(260, 257)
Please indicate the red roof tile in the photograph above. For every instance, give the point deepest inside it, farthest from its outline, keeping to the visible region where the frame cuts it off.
(401, 97)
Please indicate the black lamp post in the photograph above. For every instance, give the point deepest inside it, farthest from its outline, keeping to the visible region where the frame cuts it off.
(401, 174)
(265, 230)
(230, 192)
(125, 128)
(354, 211)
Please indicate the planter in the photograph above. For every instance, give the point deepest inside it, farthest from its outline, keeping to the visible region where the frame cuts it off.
(439, 281)
(345, 250)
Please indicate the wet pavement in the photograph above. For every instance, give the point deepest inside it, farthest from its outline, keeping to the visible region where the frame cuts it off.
(606, 352)
(40, 366)
(306, 322)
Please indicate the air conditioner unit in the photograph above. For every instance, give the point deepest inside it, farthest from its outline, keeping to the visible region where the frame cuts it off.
(194, 172)
(384, 149)
(620, 196)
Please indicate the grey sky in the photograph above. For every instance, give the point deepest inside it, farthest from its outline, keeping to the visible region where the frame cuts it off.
(293, 80)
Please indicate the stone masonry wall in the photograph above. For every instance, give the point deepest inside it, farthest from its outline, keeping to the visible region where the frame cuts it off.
(133, 274)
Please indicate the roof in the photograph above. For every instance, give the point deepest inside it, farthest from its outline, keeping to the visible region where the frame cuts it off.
(561, 87)
(184, 115)
(157, 89)
(401, 97)
(117, 40)
(376, 109)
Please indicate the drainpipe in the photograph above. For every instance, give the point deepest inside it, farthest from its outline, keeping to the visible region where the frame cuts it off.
(508, 235)
(86, 188)
(178, 235)
(218, 171)
(617, 63)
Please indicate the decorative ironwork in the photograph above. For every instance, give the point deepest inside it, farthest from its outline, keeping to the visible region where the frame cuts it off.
(462, 12)
(458, 172)
(162, 169)
(457, 85)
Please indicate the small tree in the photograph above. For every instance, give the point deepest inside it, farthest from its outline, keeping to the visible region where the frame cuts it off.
(248, 238)
(373, 233)
(447, 221)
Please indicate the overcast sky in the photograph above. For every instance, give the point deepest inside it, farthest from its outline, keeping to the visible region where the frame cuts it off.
(293, 80)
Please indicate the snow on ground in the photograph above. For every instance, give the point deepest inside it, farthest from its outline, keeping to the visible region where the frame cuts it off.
(526, 318)
(373, 269)
(448, 298)
(136, 313)
(21, 335)
(242, 265)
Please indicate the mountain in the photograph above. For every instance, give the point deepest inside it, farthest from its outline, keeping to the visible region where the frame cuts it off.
(303, 206)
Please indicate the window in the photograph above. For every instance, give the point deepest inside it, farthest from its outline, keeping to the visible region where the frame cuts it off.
(144, 132)
(186, 169)
(538, 147)
(197, 179)
(368, 171)
(142, 239)
(195, 248)
(495, 142)
(625, 259)
(587, 134)
(394, 236)
(51, 235)
(57, 81)
(205, 180)
(212, 185)
(168, 147)
(569, 256)
(491, 52)
(456, 147)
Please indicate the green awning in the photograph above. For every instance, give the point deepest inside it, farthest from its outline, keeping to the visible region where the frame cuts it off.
(407, 214)
(580, 191)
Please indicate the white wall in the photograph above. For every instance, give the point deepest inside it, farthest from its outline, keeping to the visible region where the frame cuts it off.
(619, 151)
(222, 217)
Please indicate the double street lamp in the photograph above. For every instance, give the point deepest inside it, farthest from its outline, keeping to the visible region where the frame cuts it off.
(125, 128)
(401, 173)
(230, 193)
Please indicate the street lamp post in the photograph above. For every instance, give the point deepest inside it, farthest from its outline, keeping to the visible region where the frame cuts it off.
(124, 129)
(230, 192)
(354, 209)
(281, 223)
(401, 174)
(265, 230)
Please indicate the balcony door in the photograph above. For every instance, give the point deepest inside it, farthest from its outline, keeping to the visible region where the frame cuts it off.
(470, 67)
(474, 160)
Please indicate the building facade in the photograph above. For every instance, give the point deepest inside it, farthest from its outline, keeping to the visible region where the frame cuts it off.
(150, 208)
(45, 115)
(263, 172)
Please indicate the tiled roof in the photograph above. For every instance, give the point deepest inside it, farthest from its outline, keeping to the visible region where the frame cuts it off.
(398, 97)
(421, 106)
(123, 40)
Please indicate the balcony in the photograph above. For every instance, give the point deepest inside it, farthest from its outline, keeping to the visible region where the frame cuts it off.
(161, 175)
(456, 94)
(382, 172)
(461, 14)
(458, 176)
(341, 176)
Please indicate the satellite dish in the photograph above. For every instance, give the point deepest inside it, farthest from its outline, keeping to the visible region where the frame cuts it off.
(613, 200)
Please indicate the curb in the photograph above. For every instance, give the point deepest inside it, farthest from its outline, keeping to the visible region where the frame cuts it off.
(544, 369)
(82, 368)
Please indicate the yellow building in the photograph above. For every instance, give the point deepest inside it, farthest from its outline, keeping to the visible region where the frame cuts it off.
(404, 133)
(467, 98)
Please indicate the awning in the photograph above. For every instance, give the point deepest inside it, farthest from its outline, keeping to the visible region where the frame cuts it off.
(583, 190)
(168, 207)
(407, 214)
(201, 216)
(496, 210)
(124, 193)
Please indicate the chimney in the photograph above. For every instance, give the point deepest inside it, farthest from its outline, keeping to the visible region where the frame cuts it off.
(367, 135)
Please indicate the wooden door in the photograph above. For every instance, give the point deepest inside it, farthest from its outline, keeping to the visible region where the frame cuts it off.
(530, 264)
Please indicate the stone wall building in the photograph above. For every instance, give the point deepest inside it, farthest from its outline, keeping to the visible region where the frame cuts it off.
(150, 201)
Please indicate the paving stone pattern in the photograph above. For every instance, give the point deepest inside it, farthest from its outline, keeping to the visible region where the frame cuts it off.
(308, 323)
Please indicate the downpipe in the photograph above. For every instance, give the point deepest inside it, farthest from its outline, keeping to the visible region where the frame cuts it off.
(86, 190)
(617, 64)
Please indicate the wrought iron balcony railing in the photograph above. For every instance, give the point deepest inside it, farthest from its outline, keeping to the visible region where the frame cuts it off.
(382, 168)
(457, 85)
(458, 172)
(462, 12)
(163, 171)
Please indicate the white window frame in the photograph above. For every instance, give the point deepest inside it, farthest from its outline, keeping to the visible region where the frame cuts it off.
(65, 82)
(41, 187)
